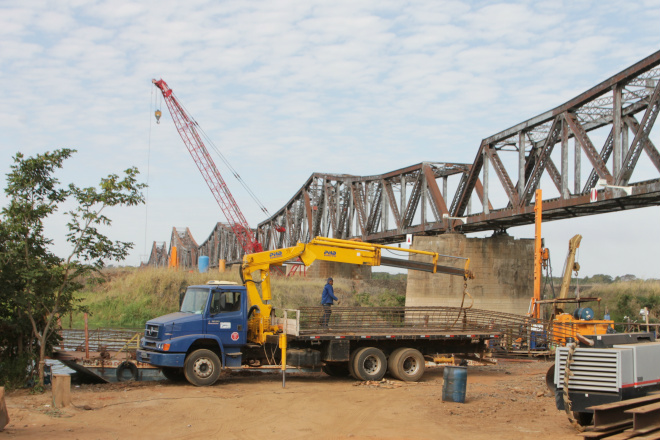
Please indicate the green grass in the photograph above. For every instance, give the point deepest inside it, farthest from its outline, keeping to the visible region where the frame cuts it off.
(627, 298)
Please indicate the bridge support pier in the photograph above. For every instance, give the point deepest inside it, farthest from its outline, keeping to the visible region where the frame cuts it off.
(503, 267)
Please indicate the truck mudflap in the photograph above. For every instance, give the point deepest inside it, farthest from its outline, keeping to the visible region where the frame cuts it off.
(161, 359)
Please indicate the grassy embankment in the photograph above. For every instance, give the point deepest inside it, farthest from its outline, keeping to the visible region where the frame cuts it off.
(627, 298)
(132, 296)
(621, 299)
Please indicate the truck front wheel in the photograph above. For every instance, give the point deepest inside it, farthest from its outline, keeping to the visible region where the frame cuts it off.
(202, 367)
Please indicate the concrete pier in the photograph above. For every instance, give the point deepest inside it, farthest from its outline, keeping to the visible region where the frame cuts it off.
(503, 267)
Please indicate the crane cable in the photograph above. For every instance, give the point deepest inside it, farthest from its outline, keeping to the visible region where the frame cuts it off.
(146, 198)
(226, 162)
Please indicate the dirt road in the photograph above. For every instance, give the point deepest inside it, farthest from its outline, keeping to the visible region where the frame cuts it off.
(503, 402)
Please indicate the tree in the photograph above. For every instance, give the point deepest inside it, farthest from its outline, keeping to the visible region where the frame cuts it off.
(45, 283)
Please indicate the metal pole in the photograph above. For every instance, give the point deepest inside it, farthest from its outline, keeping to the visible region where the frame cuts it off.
(538, 209)
(86, 338)
(283, 349)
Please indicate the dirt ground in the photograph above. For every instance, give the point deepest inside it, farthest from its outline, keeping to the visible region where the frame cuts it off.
(505, 401)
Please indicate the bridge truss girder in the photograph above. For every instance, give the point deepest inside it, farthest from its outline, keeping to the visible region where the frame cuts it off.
(384, 208)
(414, 200)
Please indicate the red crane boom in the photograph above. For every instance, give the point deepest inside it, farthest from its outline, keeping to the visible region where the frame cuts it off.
(186, 126)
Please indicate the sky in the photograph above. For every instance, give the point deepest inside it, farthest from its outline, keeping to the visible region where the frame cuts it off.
(287, 88)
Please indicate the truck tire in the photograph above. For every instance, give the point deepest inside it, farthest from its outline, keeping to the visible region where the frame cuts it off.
(351, 361)
(392, 360)
(370, 363)
(408, 365)
(202, 368)
(336, 369)
(173, 373)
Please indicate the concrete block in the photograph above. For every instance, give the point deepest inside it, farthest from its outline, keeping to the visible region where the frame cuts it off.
(503, 268)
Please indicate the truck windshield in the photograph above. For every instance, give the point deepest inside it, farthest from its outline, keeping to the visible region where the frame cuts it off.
(194, 301)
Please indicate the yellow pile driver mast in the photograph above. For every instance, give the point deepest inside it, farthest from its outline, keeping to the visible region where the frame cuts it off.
(327, 249)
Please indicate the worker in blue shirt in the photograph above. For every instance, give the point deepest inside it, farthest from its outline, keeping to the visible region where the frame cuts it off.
(326, 301)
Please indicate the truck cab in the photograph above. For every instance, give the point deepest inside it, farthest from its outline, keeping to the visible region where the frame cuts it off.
(206, 334)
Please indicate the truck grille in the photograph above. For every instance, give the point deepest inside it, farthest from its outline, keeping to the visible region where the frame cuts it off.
(151, 331)
(596, 370)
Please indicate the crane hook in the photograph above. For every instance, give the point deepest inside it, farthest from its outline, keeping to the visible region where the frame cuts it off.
(158, 115)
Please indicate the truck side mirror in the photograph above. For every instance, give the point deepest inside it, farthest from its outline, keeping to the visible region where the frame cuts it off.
(181, 295)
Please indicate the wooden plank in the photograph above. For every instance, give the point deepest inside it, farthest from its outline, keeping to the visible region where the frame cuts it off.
(4, 415)
(61, 390)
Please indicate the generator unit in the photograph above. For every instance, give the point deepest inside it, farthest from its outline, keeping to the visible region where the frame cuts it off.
(605, 375)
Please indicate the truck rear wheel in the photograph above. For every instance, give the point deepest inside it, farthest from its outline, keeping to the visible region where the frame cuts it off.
(351, 362)
(392, 360)
(369, 363)
(407, 365)
(202, 367)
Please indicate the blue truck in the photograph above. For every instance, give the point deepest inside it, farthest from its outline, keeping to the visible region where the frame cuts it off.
(227, 326)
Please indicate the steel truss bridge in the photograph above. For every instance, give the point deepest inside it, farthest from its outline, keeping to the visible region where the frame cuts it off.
(603, 135)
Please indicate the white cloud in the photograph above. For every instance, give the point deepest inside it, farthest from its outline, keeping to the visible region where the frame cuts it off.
(286, 88)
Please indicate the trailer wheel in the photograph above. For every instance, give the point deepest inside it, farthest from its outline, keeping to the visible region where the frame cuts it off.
(202, 367)
(408, 365)
(370, 363)
(173, 373)
(127, 371)
(336, 369)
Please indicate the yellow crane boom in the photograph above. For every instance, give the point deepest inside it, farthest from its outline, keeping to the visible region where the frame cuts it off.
(569, 267)
(328, 249)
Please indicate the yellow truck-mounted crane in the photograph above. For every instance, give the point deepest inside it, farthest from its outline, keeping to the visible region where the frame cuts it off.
(327, 249)
(224, 325)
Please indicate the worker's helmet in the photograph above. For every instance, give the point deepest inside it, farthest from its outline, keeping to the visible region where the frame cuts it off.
(329, 279)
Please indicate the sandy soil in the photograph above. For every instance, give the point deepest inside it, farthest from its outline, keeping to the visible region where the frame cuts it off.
(505, 401)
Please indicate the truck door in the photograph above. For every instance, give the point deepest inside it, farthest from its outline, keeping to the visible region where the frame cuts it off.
(226, 317)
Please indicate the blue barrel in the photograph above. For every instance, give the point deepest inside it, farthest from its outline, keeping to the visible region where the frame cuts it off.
(455, 383)
(203, 264)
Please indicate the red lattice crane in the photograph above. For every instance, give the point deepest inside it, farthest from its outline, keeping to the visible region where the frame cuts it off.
(187, 128)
